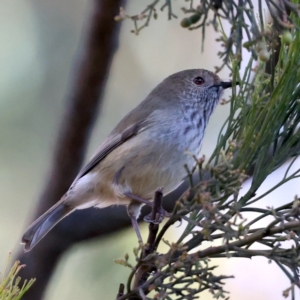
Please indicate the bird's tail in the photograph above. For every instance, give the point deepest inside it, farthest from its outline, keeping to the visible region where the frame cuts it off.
(40, 227)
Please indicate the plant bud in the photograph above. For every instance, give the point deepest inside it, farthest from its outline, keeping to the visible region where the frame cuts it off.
(118, 18)
(248, 44)
(186, 22)
(195, 18)
(286, 37)
(261, 45)
(264, 55)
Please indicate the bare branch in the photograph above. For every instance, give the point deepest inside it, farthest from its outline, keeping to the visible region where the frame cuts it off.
(85, 96)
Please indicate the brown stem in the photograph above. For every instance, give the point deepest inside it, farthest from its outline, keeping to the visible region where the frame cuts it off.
(121, 290)
(144, 270)
(153, 226)
(247, 240)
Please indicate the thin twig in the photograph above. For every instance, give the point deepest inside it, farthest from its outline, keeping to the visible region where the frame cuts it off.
(247, 240)
(144, 270)
(121, 290)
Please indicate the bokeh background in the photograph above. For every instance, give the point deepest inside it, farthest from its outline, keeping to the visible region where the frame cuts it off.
(39, 42)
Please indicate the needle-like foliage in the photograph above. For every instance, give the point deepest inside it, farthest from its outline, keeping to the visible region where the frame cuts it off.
(10, 282)
(260, 135)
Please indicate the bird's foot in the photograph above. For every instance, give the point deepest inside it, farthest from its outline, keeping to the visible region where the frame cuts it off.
(159, 217)
(149, 219)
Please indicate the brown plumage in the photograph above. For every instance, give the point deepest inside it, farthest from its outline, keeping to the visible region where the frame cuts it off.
(146, 150)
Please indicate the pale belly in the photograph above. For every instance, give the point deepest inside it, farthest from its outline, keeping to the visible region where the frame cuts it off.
(137, 169)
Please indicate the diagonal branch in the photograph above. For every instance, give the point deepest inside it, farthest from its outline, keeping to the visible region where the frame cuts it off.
(144, 270)
(250, 239)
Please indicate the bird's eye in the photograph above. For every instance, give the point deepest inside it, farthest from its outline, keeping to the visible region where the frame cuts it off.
(198, 80)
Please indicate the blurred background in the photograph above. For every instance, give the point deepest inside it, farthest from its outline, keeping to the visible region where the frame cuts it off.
(39, 43)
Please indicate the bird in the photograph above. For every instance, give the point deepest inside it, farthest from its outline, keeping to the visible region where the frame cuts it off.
(149, 148)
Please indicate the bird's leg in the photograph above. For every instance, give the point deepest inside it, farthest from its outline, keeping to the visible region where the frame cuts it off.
(148, 218)
(133, 210)
(161, 214)
(138, 199)
(136, 227)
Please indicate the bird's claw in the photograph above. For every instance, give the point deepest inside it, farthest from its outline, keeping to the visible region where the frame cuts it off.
(159, 217)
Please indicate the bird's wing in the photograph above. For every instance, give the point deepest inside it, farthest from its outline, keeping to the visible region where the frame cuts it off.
(111, 144)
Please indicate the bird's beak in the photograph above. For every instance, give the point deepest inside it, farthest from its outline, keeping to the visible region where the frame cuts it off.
(226, 85)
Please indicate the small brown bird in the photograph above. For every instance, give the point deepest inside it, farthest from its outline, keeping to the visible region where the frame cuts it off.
(146, 150)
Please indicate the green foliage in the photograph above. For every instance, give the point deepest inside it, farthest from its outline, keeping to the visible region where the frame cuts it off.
(9, 285)
(264, 118)
(260, 135)
(241, 16)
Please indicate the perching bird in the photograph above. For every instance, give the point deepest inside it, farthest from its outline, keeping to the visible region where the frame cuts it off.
(146, 150)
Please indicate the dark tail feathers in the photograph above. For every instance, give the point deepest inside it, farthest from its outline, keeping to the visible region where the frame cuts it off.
(40, 227)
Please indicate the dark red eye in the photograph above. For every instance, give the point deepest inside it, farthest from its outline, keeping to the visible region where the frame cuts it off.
(198, 80)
